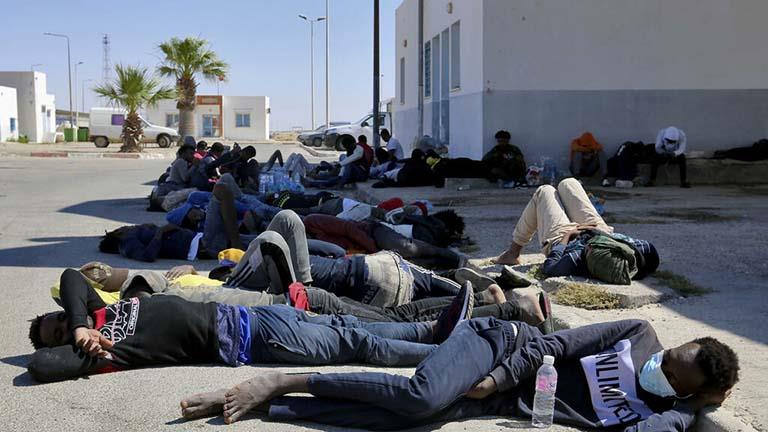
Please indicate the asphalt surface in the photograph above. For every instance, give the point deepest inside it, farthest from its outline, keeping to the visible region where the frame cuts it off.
(51, 214)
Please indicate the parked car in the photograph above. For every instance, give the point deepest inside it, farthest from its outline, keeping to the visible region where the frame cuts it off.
(335, 137)
(106, 125)
(315, 137)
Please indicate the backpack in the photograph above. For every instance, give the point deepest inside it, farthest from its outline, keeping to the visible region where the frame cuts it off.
(611, 260)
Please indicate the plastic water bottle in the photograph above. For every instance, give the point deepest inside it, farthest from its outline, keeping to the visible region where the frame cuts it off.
(544, 401)
(263, 183)
(549, 173)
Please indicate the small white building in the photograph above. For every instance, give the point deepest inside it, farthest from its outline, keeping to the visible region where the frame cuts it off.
(548, 70)
(243, 118)
(9, 117)
(36, 108)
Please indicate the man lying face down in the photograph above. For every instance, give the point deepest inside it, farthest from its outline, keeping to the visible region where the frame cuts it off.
(614, 375)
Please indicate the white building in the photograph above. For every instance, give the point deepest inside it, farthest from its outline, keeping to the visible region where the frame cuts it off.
(244, 118)
(36, 108)
(548, 70)
(9, 116)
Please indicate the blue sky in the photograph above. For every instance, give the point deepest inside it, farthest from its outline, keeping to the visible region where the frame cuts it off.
(265, 43)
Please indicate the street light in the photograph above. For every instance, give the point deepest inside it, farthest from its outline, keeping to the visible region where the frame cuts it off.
(69, 71)
(32, 68)
(327, 65)
(77, 113)
(312, 22)
(82, 101)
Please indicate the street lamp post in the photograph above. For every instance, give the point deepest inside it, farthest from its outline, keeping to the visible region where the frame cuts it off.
(69, 72)
(82, 100)
(77, 112)
(327, 66)
(312, 22)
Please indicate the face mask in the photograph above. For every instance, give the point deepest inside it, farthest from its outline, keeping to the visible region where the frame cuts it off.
(652, 378)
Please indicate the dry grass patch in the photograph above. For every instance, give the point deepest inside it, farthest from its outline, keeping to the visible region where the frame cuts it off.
(681, 284)
(586, 296)
(536, 272)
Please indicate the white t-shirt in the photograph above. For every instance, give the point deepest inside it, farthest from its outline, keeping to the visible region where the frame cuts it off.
(394, 145)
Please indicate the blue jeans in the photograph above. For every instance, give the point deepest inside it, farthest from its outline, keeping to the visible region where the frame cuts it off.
(382, 401)
(284, 335)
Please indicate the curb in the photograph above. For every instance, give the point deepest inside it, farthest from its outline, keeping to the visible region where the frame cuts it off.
(87, 155)
(721, 420)
(316, 153)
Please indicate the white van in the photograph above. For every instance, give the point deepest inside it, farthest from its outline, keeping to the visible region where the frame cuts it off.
(106, 125)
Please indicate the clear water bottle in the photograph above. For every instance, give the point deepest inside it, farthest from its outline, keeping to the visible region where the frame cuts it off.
(263, 183)
(544, 401)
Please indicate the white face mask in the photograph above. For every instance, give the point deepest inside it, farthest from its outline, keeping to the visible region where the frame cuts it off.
(652, 378)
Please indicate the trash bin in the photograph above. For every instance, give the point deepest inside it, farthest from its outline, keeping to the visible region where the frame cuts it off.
(69, 134)
(82, 134)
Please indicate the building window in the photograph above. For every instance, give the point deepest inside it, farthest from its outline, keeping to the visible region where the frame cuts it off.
(455, 55)
(243, 120)
(402, 80)
(13, 125)
(118, 119)
(172, 120)
(428, 69)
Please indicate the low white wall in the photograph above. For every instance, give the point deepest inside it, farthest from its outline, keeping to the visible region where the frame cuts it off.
(8, 110)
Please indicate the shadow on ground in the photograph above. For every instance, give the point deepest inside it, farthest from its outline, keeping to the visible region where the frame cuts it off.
(128, 210)
(51, 252)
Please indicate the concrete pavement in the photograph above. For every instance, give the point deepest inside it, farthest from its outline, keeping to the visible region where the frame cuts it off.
(52, 212)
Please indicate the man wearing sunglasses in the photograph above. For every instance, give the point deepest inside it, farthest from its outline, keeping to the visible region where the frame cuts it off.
(670, 148)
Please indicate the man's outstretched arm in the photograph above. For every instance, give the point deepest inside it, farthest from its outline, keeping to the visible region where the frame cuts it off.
(78, 298)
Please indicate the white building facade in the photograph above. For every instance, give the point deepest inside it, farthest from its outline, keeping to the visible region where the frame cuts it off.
(239, 118)
(36, 108)
(548, 70)
(9, 115)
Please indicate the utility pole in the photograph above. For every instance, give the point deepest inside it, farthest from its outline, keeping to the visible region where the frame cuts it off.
(312, 22)
(77, 112)
(69, 73)
(376, 75)
(327, 66)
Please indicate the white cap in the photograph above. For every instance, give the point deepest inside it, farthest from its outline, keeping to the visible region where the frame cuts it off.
(672, 133)
(549, 360)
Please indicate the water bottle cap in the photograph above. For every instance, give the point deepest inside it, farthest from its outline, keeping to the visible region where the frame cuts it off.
(548, 359)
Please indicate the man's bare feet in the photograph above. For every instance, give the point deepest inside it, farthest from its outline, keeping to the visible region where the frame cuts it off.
(529, 307)
(510, 256)
(497, 293)
(203, 404)
(249, 394)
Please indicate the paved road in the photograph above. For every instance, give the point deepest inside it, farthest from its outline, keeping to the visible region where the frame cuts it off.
(51, 213)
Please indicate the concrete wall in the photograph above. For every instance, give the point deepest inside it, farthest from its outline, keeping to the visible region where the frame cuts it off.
(8, 111)
(624, 69)
(465, 102)
(257, 106)
(34, 122)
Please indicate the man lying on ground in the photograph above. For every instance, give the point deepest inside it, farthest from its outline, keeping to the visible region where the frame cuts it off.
(371, 236)
(115, 284)
(90, 336)
(576, 240)
(613, 375)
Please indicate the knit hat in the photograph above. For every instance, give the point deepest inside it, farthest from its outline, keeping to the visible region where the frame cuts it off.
(189, 140)
(391, 204)
(610, 260)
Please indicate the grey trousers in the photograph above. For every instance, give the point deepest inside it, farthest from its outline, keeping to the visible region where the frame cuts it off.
(276, 258)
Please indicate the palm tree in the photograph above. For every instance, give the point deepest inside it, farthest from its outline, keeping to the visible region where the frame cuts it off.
(133, 89)
(184, 60)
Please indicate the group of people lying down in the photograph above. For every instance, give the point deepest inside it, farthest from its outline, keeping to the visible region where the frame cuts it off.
(476, 341)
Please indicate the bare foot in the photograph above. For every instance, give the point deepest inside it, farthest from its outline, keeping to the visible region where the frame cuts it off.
(529, 306)
(203, 404)
(497, 293)
(507, 258)
(249, 394)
